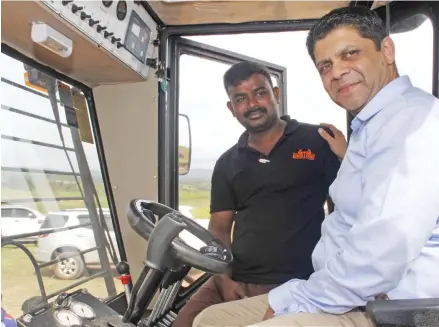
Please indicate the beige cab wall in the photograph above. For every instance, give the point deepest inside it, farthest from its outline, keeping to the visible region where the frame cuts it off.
(128, 121)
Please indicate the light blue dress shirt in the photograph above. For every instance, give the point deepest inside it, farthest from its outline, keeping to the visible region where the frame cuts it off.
(383, 237)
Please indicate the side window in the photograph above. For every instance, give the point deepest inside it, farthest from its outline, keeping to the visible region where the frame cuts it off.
(414, 52)
(41, 145)
(23, 213)
(6, 213)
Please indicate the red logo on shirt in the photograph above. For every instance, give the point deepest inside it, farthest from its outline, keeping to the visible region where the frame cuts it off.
(306, 155)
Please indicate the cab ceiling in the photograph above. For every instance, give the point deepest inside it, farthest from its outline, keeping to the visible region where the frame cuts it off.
(232, 12)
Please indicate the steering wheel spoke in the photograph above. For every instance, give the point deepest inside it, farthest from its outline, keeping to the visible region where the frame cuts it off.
(165, 246)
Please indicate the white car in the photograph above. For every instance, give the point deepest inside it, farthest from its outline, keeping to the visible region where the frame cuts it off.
(58, 244)
(17, 219)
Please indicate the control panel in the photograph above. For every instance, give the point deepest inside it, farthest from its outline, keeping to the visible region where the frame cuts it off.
(77, 309)
(123, 28)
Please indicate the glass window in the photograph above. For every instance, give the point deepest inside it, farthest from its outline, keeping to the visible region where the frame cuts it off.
(41, 179)
(23, 213)
(54, 221)
(6, 213)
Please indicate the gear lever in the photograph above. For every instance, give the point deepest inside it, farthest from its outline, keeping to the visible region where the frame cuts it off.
(123, 270)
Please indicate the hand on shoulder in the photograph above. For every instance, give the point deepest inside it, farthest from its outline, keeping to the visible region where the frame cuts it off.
(337, 143)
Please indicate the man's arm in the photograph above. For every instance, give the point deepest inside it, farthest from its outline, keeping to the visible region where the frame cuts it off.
(220, 226)
(397, 215)
(222, 208)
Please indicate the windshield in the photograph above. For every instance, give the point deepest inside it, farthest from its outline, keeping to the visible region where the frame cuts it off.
(50, 167)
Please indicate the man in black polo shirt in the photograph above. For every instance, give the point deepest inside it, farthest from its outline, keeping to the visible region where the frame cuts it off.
(272, 185)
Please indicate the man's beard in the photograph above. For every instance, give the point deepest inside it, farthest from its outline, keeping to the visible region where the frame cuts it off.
(269, 121)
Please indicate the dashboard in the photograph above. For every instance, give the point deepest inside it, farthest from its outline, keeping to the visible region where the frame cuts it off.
(77, 309)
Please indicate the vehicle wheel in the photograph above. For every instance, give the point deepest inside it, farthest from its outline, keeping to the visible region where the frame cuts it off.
(68, 268)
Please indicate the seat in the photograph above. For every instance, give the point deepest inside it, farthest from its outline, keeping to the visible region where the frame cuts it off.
(404, 313)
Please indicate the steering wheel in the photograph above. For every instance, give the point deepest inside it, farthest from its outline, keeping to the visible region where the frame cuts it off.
(164, 244)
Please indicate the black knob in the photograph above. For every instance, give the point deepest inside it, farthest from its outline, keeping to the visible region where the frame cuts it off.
(76, 8)
(123, 268)
(92, 22)
(100, 28)
(115, 39)
(107, 34)
(65, 3)
(61, 299)
(119, 45)
(84, 16)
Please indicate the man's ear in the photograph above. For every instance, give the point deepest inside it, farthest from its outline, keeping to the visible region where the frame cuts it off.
(229, 105)
(388, 49)
(276, 92)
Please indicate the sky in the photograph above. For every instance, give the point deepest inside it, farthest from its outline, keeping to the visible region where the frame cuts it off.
(203, 99)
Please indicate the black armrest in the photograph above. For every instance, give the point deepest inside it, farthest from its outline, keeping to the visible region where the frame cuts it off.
(404, 313)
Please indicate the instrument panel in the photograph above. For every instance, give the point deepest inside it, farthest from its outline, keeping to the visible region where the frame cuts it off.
(78, 309)
(123, 28)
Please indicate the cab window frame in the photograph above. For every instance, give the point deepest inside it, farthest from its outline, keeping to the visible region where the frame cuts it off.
(88, 93)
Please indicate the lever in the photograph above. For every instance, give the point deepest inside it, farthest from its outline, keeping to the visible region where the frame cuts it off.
(65, 3)
(76, 8)
(100, 28)
(114, 39)
(84, 16)
(124, 271)
(107, 34)
(92, 22)
(119, 45)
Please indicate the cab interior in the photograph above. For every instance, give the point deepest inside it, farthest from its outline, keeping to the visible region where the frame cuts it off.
(141, 122)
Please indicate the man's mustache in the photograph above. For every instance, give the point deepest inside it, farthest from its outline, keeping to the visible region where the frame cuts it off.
(255, 110)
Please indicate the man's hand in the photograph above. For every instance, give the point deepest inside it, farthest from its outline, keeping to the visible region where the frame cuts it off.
(268, 314)
(337, 143)
(230, 290)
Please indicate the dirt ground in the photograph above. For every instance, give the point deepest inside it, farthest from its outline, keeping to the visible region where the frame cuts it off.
(19, 281)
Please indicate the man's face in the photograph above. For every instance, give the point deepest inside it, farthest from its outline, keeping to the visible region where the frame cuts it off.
(254, 103)
(351, 68)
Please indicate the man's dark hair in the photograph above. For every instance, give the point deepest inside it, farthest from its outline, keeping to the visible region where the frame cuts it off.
(243, 70)
(367, 23)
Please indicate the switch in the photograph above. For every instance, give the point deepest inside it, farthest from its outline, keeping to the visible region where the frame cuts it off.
(119, 45)
(84, 16)
(92, 22)
(114, 39)
(76, 8)
(100, 28)
(107, 34)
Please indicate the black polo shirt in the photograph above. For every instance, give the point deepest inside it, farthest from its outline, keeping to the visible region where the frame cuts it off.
(278, 201)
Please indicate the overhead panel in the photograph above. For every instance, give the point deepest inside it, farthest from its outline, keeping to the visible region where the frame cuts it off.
(123, 28)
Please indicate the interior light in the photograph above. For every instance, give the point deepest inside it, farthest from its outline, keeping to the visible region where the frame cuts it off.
(51, 39)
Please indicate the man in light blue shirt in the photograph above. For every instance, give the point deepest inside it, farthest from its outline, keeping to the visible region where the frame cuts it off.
(382, 240)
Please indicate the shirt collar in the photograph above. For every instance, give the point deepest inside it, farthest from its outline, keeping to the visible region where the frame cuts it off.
(381, 100)
(291, 126)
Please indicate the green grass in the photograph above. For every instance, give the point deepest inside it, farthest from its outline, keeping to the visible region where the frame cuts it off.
(199, 200)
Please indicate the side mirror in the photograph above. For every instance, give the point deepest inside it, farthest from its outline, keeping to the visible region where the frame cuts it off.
(184, 145)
